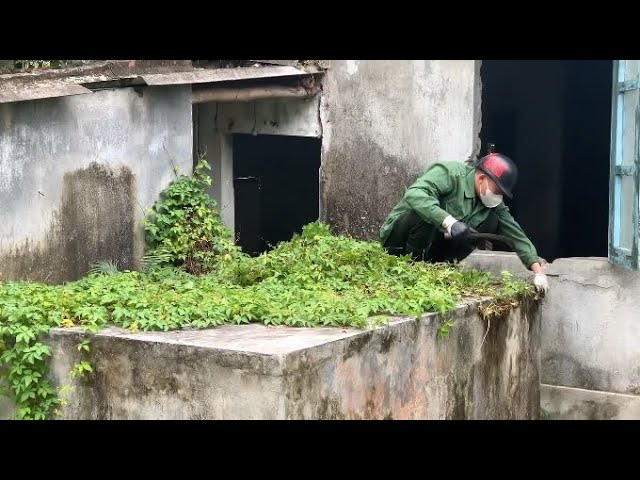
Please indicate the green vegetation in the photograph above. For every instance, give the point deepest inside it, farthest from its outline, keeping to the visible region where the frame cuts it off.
(194, 276)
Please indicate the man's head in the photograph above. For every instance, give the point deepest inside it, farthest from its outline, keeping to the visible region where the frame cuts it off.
(496, 176)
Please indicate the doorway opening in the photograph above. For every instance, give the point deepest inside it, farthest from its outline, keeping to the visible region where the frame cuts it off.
(553, 119)
(276, 188)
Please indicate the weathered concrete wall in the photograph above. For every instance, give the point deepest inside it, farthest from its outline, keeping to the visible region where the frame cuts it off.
(407, 372)
(383, 123)
(77, 172)
(401, 371)
(590, 322)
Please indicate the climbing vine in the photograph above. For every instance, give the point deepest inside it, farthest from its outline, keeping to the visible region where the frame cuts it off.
(194, 276)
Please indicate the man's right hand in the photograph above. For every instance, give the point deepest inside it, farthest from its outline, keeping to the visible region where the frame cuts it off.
(459, 231)
(456, 229)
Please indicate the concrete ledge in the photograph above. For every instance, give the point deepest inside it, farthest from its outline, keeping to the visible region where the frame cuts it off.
(567, 403)
(400, 371)
(496, 262)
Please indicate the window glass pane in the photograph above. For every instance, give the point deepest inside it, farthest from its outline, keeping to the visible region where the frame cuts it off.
(629, 105)
(625, 220)
(631, 69)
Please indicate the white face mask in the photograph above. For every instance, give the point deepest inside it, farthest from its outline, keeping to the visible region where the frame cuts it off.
(490, 199)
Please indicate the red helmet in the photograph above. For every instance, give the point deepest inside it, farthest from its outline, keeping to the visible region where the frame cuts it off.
(501, 169)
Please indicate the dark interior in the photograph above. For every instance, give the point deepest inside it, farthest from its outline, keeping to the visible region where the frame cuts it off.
(553, 119)
(276, 181)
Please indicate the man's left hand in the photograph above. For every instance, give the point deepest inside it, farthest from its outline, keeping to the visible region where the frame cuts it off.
(541, 283)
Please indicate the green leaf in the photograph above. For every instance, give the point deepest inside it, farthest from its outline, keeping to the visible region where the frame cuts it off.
(27, 395)
(24, 412)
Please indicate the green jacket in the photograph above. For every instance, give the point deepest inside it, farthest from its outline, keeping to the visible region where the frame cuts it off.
(448, 188)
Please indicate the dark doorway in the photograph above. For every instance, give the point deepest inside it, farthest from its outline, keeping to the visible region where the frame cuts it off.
(276, 188)
(553, 118)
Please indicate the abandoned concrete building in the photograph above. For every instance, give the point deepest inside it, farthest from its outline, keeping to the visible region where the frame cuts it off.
(84, 151)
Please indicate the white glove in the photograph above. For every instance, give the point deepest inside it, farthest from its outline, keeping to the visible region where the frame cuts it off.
(446, 224)
(540, 282)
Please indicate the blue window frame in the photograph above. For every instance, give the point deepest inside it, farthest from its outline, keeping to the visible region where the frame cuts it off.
(624, 230)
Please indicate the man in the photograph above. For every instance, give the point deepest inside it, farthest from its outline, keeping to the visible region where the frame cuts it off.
(450, 201)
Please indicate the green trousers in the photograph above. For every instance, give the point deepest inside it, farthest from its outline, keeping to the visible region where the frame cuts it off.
(413, 236)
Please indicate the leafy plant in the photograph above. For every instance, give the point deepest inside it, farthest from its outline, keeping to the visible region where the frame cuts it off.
(81, 368)
(443, 330)
(105, 267)
(184, 228)
(154, 261)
